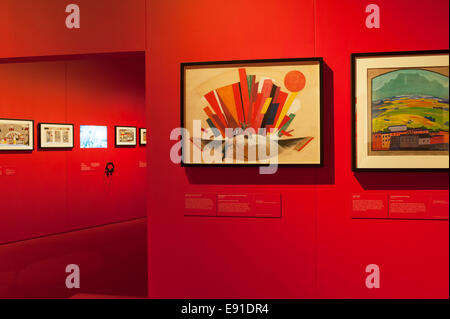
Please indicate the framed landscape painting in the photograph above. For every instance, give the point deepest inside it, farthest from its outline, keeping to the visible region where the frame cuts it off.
(256, 112)
(401, 110)
(16, 135)
(55, 135)
(126, 136)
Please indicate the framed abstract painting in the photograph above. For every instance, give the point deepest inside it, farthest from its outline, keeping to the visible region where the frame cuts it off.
(400, 104)
(16, 135)
(55, 135)
(254, 112)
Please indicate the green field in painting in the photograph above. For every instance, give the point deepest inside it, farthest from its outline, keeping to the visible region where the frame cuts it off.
(426, 112)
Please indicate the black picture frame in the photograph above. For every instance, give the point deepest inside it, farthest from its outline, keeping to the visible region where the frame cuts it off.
(55, 147)
(140, 136)
(353, 58)
(31, 134)
(319, 60)
(125, 127)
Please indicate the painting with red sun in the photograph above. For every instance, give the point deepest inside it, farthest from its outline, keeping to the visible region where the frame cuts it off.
(252, 112)
(294, 81)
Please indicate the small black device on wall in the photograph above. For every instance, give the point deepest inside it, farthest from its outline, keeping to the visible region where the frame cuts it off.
(109, 169)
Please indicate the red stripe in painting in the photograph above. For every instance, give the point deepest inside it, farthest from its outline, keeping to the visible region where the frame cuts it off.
(211, 98)
(238, 101)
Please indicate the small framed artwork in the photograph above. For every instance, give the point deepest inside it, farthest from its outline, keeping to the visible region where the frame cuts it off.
(55, 135)
(16, 135)
(126, 136)
(143, 136)
(257, 112)
(400, 106)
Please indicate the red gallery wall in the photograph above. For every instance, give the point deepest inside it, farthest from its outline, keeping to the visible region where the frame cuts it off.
(195, 257)
(60, 197)
(413, 255)
(37, 28)
(315, 249)
(50, 191)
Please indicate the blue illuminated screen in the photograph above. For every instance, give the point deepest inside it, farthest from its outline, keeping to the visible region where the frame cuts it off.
(92, 136)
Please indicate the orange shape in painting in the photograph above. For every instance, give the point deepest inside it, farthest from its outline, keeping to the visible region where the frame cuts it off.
(294, 81)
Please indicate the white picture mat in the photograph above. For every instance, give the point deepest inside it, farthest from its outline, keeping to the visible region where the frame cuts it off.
(43, 126)
(363, 160)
